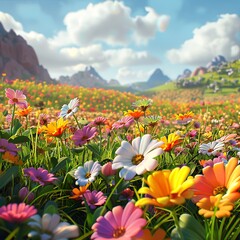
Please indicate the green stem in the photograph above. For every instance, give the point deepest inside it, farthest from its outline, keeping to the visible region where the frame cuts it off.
(13, 114)
(177, 224)
(12, 234)
(77, 121)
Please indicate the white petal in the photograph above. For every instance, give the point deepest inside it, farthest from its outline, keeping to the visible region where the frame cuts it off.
(150, 164)
(156, 152)
(154, 144)
(136, 144)
(140, 169)
(128, 173)
(146, 139)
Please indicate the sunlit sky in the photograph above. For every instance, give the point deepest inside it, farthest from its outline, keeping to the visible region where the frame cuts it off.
(125, 40)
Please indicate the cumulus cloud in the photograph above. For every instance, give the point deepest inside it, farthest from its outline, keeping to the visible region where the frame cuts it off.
(213, 38)
(128, 75)
(112, 23)
(9, 22)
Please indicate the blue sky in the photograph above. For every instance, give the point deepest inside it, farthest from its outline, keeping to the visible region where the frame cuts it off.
(125, 40)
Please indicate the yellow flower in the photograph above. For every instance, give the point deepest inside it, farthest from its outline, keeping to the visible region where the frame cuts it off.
(55, 129)
(167, 188)
(214, 205)
(184, 116)
(136, 114)
(169, 142)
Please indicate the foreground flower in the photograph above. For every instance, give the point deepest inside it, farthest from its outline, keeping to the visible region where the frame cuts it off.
(136, 114)
(17, 213)
(50, 227)
(94, 198)
(16, 97)
(87, 173)
(70, 109)
(211, 148)
(160, 234)
(215, 206)
(84, 135)
(219, 179)
(6, 146)
(56, 128)
(8, 157)
(184, 118)
(39, 175)
(169, 142)
(167, 188)
(138, 157)
(143, 104)
(24, 111)
(122, 224)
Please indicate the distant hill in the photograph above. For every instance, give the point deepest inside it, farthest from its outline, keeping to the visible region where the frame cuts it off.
(18, 59)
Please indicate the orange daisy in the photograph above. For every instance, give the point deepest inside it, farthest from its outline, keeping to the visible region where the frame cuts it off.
(24, 111)
(78, 192)
(171, 141)
(55, 129)
(219, 179)
(8, 157)
(136, 114)
(160, 234)
(184, 118)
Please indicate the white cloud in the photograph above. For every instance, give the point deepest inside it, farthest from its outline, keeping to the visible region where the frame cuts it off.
(213, 38)
(127, 75)
(9, 22)
(112, 23)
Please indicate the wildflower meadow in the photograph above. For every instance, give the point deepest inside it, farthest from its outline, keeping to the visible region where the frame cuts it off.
(98, 164)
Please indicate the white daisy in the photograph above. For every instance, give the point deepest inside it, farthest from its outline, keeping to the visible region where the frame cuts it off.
(70, 109)
(49, 227)
(138, 157)
(211, 148)
(87, 173)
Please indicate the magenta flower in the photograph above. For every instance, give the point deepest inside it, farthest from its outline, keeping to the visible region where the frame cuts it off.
(94, 198)
(24, 194)
(40, 175)
(6, 146)
(123, 224)
(16, 97)
(17, 213)
(124, 122)
(84, 135)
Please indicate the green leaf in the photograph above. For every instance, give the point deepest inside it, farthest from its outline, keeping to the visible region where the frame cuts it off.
(16, 126)
(7, 176)
(62, 162)
(95, 150)
(19, 139)
(5, 113)
(51, 208)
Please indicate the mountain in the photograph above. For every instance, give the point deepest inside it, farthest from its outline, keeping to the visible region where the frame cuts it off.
(86, 78)
(18, 59)
(157, 78)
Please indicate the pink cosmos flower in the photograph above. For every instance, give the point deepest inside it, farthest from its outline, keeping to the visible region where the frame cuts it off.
(40, 175)
(121, 224)
(124, 122)
(84, 135)
(16, 97)
(98, 121)
(17, 213)
(6, 146)
(94, 198)
(107, 169)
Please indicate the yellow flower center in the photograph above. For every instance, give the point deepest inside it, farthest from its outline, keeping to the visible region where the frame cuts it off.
(88, 175)
(137, 159)
(219, 190)
(118, 232)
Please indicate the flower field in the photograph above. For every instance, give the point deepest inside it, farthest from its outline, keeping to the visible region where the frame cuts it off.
(98, 164)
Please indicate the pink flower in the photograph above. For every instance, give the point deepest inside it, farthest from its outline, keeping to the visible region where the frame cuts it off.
(121, 224)
(107, 169)
(25, 194)
(94, 198)
(84, 135)
(40, 175)
(6, 146)
(16, 97)
(124, 122)
(17, 213)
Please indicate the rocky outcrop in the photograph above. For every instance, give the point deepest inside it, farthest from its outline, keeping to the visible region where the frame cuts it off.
(186, 73)
(198, 71)
(18, 59)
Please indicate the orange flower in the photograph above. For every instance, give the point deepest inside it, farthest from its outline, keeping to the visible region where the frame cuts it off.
(55, 129)
(188, 115)
(202, 162)
(215, 206)
(78, 192)
(160, 234)
(219, 179)
(169, 142)
(4, 74)
(8, 157)
(24, 111)
(136, 114)
(167, 188)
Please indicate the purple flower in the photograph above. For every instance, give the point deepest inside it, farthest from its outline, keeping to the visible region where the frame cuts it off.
(124, 122)
(24, 193)
(40, 175)
(6, 146)
(84, 135)
(17, 213)
(94, 198)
